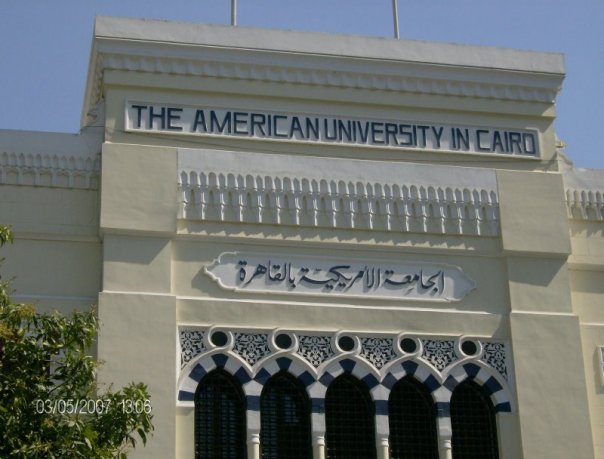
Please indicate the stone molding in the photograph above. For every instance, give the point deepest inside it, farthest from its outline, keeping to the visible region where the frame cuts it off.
(584, 190)
(585, 205)
(213, 196)
(600, 351)
(50, 170)
(391, 66)
(320, 77)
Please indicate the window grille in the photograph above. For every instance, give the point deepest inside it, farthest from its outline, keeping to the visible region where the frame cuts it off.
(412, 418)
(473, 422)
(219, 418)
(285, 431)
(350, 420)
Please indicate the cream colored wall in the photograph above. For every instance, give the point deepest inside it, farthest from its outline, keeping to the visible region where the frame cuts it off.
(138, 252)
(522, 277)
(587, 280)
(56, 256)
(137, 342)
(546, 335)
(136, 306)
(538, 288)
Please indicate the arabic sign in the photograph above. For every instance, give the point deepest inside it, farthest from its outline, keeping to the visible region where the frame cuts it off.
(338, 277)
(306, 128)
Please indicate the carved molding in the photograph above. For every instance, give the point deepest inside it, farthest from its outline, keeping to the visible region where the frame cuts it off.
(600, 352)
(585, 204)
(440, 353)
(318, 349)
(48, 170)
(317, 358)
(330, 204)
(316, 77)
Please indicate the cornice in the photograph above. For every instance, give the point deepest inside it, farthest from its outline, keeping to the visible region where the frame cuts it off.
(318, 77)
(321, 60)
(49, 170)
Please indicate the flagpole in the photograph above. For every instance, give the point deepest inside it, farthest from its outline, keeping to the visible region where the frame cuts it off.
(233, 12)
(395, 15)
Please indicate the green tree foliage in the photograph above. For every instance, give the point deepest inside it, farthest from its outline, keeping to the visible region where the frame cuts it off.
(50, 404)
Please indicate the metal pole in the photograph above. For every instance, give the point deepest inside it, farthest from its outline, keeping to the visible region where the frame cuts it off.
(234, 12)
(395, 14)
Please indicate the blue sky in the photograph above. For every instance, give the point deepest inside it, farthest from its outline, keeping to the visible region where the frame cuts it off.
(45, 46)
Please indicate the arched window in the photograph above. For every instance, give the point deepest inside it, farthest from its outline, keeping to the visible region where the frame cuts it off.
(412, 419)
(285, 419)
(350, 420)
(219, 417)
(473, 423)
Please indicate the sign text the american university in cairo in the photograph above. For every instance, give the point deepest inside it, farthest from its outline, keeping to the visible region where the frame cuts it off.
(221, 122)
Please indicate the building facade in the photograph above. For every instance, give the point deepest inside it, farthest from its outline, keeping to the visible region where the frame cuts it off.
(313, 245)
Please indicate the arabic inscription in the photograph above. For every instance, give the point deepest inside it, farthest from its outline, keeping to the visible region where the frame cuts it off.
(337, 277)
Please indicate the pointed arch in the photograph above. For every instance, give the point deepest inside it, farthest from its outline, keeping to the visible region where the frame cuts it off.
(357, 367)
(198, 368)
(492, 383)
(412, 421)
(349, 419)
(285, 412)
(291, 363)
(419, 370)
(473, 422)
(220, 413)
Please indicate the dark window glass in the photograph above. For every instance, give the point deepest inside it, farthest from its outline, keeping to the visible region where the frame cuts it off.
(285, 419)
(219, 418)
(283, 341)
(473, 423)
(219, 338)
(346, 343)
(408, 345)
(469, 347)
(350, 420)
(412, 418)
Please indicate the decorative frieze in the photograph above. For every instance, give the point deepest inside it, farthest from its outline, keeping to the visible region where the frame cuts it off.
(440, 353)
(211, 196)
(319, 349)
(494, 355)
(317, 358)
(315, 349)
(377, 351)
(584, 192)
(191, 345)
(49, 170)
(274, 73)
(585, 204)
(252, 347)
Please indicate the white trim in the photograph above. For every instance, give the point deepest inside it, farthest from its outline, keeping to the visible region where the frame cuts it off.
(600, 351)
(334, 305)
(26, 297)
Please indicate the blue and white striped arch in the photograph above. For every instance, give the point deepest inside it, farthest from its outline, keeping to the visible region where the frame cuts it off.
(196, 371)
(316, 384)
(316, 376)
(252, 382)
(493, 385)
